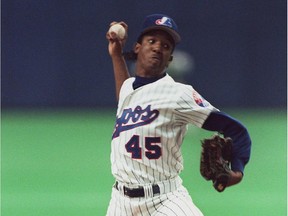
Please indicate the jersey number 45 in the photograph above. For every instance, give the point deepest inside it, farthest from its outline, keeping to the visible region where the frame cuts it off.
(152, 147)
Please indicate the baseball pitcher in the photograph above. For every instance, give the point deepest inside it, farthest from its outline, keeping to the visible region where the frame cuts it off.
(152, 118)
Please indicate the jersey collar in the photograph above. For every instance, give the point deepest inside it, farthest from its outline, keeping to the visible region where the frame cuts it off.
(141, 81)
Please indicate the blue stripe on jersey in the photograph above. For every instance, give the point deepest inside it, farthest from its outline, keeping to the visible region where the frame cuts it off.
(230, 127)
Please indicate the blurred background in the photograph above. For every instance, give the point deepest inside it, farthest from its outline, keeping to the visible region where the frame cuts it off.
(58, 99)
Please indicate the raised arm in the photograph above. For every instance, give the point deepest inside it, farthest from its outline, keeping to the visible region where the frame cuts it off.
(115, 49)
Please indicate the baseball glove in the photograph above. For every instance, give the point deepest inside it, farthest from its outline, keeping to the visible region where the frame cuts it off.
(215, 161)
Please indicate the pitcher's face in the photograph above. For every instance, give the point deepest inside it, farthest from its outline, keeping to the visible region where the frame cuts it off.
(154, 53)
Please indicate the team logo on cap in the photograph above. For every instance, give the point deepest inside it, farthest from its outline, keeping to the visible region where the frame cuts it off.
(164, 21)
(199, 99)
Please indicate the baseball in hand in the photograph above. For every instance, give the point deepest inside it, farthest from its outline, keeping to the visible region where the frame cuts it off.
(119, 30)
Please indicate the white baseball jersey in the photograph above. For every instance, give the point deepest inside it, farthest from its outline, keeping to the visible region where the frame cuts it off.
(151, 123)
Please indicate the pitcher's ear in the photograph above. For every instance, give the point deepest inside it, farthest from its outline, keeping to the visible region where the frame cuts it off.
(136, 47)
(169, 61)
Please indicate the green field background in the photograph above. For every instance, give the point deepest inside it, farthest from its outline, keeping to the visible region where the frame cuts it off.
(57, 163)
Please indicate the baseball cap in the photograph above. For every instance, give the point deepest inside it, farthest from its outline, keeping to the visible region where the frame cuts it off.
(161, 22)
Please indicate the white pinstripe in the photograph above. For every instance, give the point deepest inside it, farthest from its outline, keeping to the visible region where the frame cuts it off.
(177, 108)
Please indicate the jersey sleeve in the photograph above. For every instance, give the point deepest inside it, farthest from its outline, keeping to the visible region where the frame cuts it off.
(231, 127)
(192, 107)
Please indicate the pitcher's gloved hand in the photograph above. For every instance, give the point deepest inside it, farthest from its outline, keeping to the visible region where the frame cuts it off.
(215, 161)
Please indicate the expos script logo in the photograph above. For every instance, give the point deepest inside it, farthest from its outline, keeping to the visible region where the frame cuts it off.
(134, 118)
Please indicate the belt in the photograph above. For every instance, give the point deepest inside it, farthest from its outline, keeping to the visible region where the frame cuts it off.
(137, 192)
